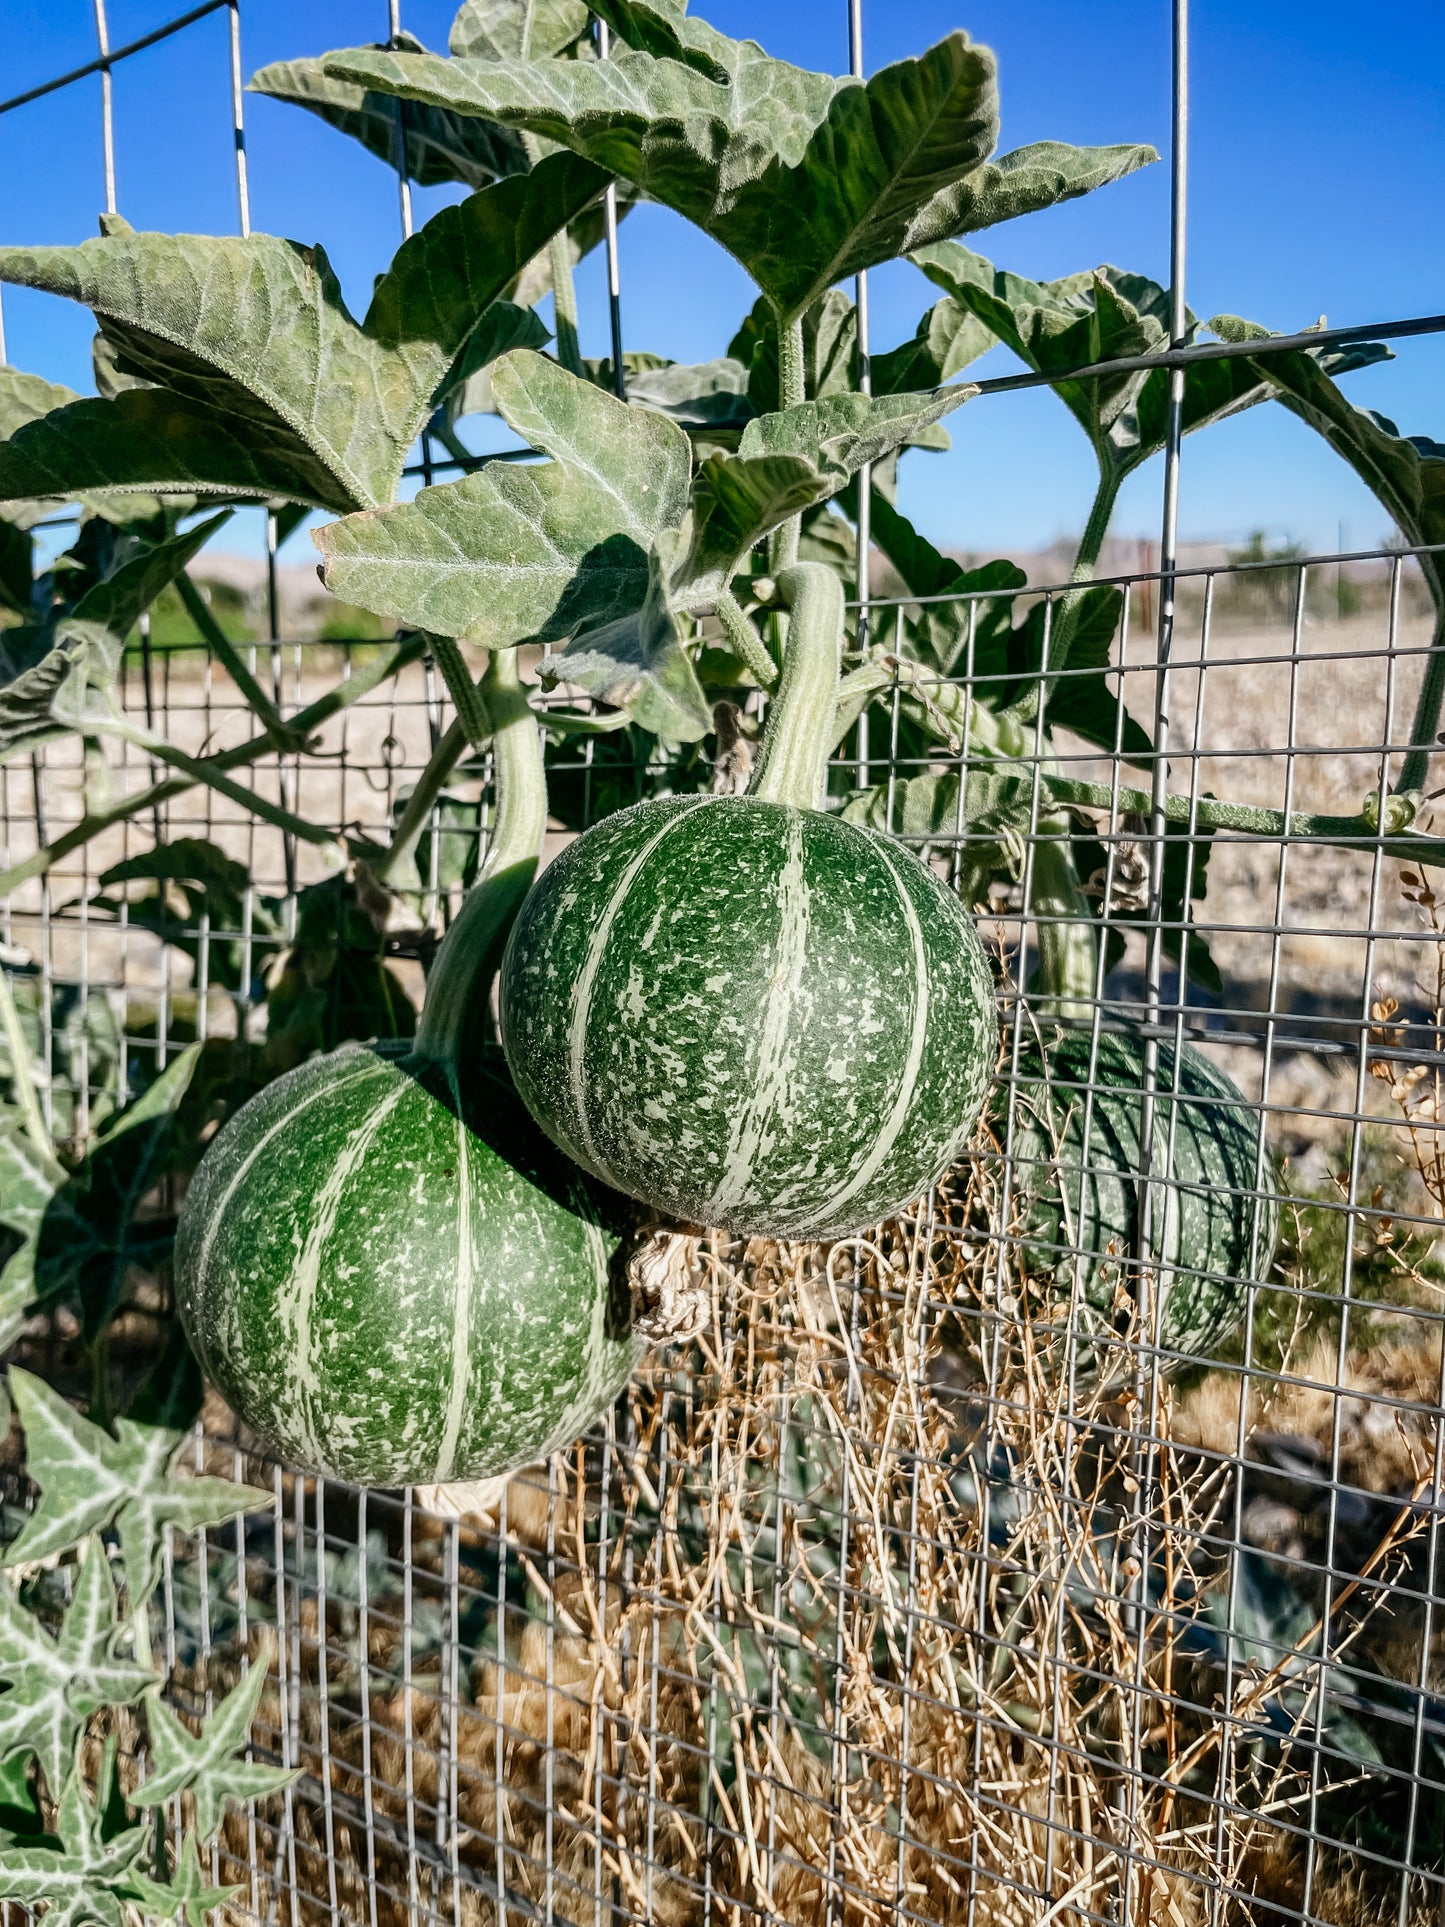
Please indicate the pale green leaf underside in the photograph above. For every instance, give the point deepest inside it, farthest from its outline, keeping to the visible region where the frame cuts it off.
(256, 330)
(492, 29)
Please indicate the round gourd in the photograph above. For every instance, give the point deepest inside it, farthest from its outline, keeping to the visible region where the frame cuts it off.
(395, 1279)
(750, 1014)
(1076, 1197)
(383, 1264)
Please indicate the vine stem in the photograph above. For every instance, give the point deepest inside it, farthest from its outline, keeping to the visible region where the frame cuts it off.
(1415, 770)
(792, 392)
(385, 663)
(745, 638)
(1249, 819)
(1066, 611)
(282, 734)
(454, 1018)
(792, 766)
(22, 1078)
(1063, 924)
(422, 801)
(216, 779)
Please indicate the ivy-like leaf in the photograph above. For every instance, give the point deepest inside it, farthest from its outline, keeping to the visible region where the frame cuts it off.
(188, 1897)
(72, 685)
(206, 1765)
(91, 1235)
(803, 178)
(29, 1176)
(254, 331)
(79, 1880)
(54, 1685)
(90, 1482)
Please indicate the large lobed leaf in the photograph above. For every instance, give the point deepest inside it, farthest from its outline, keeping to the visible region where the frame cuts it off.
(602, 547)
(1104, 315)
(802, 177)
(1405, 473)
(440, 146)
(255, 344)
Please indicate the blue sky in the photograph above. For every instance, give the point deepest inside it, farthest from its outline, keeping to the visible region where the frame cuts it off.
(1317, 176)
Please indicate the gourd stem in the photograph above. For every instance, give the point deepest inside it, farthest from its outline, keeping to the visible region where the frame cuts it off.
(744, 638)
(793, 765)
(1064, 927)
(792, 390)
(455, 1019)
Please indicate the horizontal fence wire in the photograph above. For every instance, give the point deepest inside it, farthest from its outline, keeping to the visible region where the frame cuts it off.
(916, 1592)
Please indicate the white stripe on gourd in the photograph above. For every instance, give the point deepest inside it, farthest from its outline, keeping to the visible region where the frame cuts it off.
(386, 1268)
(746, 1012)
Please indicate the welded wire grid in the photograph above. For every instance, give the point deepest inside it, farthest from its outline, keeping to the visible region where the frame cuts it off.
(894, 1601)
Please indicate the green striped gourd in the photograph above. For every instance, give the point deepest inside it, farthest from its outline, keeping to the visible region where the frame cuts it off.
(745, 1012)
(1076, 1199)
(389, 1272)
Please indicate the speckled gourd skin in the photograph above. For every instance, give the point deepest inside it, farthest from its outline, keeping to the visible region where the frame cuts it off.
(397, 1281)
(750, 1015)
(1074, 1186)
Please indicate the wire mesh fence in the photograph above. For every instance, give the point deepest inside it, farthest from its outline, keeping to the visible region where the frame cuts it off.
(912, 1590)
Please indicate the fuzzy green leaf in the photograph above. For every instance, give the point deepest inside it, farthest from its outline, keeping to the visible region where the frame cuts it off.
(440, 146)
(151, 439)
(1105, 315)
(844, 432)
(256, 331)
(557, 551)
(187, 1898)
(23, 399)
(206, 1766)
(80, 1879)
(492, 29)
(72, 685)
(636, 662)
(54, 1685)
(946, 340)
(803, 178)
(90, 1482)
(1405, 473)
